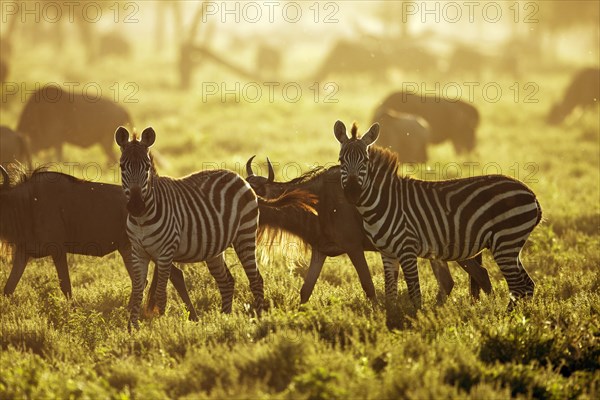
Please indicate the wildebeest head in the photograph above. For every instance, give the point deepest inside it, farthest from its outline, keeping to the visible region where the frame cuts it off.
(260, 184)
(467, 120)
(136, 168)
(557, 114)
(354, 158)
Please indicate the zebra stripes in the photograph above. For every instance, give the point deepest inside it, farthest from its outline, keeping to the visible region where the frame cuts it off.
(446, 220)
(191, 219)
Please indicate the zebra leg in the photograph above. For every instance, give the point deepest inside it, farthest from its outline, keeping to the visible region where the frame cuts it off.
(444, 279)
(314, 270)
(218, 269)
(179, 282)
(163, 265)
(508, 261)
(362, 268)
(408, 263)
(526, 278)
(390, 273)
(245, 247)
(139, 273)
(478, 276)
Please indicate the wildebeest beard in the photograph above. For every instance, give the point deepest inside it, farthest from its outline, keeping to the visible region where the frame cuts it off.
(136, 205)
(352, 190)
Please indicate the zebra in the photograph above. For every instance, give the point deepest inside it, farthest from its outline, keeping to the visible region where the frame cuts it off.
(448, 220)
(189, 219)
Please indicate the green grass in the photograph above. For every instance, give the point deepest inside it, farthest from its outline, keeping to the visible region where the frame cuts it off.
(336, 346)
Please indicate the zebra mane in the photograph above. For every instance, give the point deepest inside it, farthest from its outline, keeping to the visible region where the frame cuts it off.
(135, 140)
(153, 169)
(381, 157)
(354, 130)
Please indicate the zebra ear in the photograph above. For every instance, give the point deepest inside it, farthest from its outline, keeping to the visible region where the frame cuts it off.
(372, 134)
(339, 130)
(122, 136)
(148, 137)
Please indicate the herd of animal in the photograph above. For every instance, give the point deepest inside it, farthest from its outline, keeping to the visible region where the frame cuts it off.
(360, 205)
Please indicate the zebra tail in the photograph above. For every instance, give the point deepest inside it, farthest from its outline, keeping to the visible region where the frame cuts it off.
(539, 207)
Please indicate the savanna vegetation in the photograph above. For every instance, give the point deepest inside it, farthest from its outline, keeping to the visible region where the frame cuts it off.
(337, 345)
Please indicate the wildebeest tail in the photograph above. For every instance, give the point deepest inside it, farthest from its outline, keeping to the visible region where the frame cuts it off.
(291, 212)
(297, 199)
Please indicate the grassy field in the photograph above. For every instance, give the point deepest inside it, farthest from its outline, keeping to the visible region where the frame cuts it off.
(336, 346)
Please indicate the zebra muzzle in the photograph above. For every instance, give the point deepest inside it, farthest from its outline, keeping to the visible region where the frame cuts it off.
(352, 190)
(136, 205)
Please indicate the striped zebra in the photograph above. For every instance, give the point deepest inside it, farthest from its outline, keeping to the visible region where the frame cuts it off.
(449, 220)
(187, 220)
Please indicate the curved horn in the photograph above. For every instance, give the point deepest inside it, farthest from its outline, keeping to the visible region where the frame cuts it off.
(6, 179)
(249, 172)
(271, 177)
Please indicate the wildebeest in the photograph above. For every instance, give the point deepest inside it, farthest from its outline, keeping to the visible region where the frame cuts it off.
(406, 134)
(337, 229)
(53, 117)
(50, 214)
(14, 147)
(114, 44)
(583, 91)
(448, 119)
(374, 57)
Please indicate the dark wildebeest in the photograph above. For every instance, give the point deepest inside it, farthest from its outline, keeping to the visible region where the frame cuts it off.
(338, 229)
(374, 57)
(53, 214)
(53, 117)
(13, 147)
(406, 134)
(114, 44)
(583, 91)
(448, 120)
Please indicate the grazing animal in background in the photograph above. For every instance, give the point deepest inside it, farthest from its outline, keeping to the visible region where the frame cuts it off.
(337, 229)
(191, 219)
(53, 117)
(583, 91)
(447, 220)
(268, 61)
(114, 44)
(405, 134)
(13, 147)
(50, 214)
(374, 58)
(448, 120)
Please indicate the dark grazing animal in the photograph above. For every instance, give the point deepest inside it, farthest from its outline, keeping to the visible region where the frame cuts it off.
(14, 147)
(405, 134)
(447, 220)
(114, 44)
(189, 220)
(53, 214)
(53, 117)
(374, 58)
(456, 121)
(583, 91)
(337, 229)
